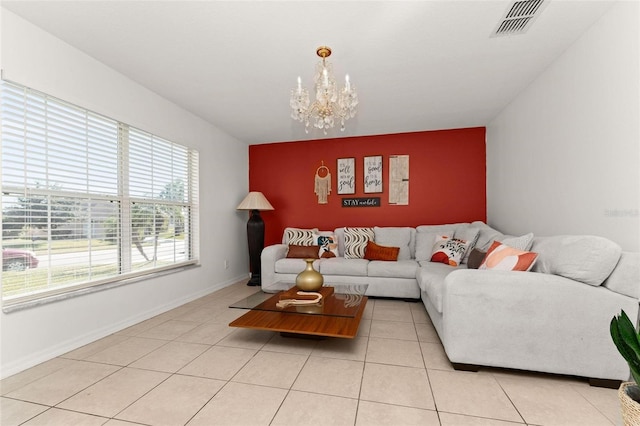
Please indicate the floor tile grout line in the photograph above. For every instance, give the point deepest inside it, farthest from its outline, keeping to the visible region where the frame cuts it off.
(593, 405)
(263, 348)
(509, 398)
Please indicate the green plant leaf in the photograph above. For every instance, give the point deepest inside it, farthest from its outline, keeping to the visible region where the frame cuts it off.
(628, 332)
(625, 350)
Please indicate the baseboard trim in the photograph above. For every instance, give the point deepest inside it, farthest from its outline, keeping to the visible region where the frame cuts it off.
(51, 352)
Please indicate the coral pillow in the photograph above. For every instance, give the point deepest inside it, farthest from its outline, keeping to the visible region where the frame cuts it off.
(376, 252)
(502, 257)
(302, 252)
(449, 251)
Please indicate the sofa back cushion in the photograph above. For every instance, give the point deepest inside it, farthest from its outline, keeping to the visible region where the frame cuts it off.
(402, 237)
(625, 278)
(486, 236)
(447, 229)
(585, 258)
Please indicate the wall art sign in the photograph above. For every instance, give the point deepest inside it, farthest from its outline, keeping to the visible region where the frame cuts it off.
(399, 180)
(346, 181)
(373, 174)
(361, 202)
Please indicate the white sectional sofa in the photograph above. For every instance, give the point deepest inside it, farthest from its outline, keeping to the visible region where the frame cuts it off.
(554, 318)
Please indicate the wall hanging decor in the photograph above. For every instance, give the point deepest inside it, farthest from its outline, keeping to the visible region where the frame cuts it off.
(346, 176)
(322, 184)
(361, 202)
(373, 174)
(399, 180)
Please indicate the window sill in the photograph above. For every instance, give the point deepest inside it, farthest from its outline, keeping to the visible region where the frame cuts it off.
(19, 306)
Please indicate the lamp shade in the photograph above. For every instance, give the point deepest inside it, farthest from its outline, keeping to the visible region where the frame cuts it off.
(255, 201)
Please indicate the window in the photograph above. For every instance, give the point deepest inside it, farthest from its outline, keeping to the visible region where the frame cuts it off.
(87, 200)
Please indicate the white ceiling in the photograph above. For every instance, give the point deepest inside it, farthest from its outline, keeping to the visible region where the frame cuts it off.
(419, 65)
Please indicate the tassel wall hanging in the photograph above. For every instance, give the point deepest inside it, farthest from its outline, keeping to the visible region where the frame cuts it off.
(322, 184)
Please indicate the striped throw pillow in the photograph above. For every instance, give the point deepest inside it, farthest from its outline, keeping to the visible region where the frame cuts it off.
(299, 237)
(355, 242)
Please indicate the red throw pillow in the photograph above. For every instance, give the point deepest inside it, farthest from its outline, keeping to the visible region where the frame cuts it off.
(303, 252)
(375, 252)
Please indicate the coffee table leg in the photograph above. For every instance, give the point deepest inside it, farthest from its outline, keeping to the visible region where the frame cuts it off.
(302, 336)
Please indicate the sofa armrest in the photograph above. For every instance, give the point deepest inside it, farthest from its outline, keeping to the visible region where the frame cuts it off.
(270, 255)
(532, 321)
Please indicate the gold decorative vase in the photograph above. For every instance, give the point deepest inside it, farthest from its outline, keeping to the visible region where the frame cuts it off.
(309, 279)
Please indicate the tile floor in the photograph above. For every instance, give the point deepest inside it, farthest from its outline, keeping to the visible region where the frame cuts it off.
(187, 367)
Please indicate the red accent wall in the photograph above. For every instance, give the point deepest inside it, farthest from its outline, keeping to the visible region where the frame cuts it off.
(447, 180)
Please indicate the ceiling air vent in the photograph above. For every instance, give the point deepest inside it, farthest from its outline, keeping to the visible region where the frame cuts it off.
(519, 14)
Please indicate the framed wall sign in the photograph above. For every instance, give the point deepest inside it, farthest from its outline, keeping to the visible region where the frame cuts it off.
(399, 180)
(373, 174)
(346, 181)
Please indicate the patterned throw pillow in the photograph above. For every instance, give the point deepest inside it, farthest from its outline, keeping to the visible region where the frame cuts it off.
(468, 233)
(502, 257)
(355, 242)
(376, 252)
(299, 237)
(328, 245)
(302, 252)
(523, 242)
(449, 251)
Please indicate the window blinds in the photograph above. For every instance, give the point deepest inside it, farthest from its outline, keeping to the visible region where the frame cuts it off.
(94, 200)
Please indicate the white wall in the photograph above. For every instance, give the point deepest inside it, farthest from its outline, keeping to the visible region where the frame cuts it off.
(38, 60)
(564, 156)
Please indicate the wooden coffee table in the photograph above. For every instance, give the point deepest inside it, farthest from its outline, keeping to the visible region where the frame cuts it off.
(338, 315)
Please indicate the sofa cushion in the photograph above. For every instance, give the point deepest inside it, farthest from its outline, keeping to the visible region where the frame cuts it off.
(585, 258)
(402, 237)
(302, 252)
(625, 278)
(399, 269)
(342, 266)
(446, 229)
(431, 280)
(502, 257)
(355, 241)
(292, 266)
(486, 236)
(298, 236)
(377, 252)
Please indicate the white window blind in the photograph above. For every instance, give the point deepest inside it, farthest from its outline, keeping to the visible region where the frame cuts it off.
(87, 200)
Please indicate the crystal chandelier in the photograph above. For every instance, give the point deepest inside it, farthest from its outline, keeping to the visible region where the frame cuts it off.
(331, 104)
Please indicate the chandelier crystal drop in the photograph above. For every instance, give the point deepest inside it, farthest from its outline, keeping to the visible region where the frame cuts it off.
(331, 104)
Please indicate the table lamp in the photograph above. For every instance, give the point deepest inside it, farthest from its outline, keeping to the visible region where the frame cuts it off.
(255, 202)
